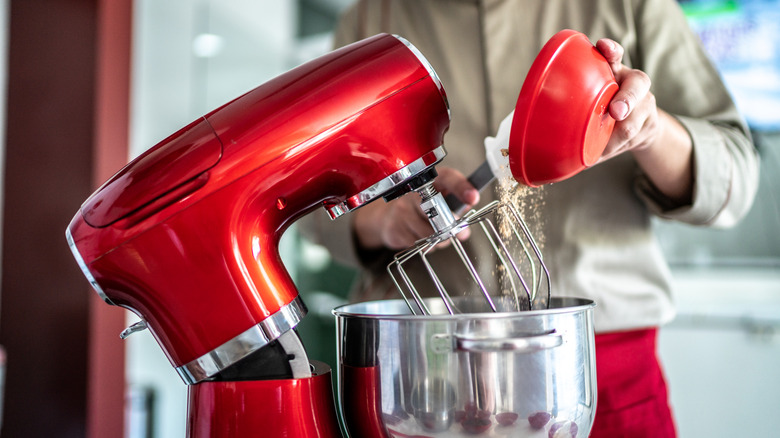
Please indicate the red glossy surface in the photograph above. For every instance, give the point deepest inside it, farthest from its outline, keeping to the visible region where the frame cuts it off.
(294, 408)
(197, 256)
(361, 402)
(561, 125)
(174, 164)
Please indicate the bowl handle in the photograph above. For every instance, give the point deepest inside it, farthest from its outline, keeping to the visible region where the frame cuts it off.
(519, 344)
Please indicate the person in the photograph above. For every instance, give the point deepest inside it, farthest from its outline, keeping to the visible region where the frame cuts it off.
(680, 150)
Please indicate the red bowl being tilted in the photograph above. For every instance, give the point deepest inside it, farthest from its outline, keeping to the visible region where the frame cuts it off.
(561, 124)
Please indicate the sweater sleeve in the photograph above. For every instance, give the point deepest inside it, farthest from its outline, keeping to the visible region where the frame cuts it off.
(687, 85)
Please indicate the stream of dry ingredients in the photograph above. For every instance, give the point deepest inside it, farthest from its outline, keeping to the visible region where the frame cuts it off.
(529, 202)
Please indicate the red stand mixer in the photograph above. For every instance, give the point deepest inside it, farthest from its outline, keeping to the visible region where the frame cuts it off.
(186, 236)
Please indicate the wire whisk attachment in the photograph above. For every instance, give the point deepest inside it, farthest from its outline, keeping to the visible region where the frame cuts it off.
(520, 280)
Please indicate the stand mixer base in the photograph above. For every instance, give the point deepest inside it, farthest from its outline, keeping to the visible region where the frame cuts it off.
(293, 408)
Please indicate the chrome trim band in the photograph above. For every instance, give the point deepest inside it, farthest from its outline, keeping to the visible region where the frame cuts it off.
(134, 328)
(415, 168)
(84, 268)
(244, 344)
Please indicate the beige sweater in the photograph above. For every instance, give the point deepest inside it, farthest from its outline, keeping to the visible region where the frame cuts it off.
(598, 241)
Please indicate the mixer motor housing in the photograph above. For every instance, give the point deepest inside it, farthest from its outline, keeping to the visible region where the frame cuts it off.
(186, 235)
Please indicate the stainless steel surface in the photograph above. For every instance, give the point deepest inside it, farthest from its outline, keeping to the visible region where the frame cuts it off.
(520, 344)
(296, 353)
(133, 328)
(435, 208)
(471, 374)
(520, 275)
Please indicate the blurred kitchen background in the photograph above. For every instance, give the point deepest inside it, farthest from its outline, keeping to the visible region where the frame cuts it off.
(187, 57)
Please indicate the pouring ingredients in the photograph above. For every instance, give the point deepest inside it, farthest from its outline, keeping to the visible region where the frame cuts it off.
(679, 150)
(463, 324)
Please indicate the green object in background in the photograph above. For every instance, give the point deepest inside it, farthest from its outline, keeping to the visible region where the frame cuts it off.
(697, 10)
(318, 289)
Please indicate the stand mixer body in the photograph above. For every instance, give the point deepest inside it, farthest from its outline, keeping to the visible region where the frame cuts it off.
(186, 236)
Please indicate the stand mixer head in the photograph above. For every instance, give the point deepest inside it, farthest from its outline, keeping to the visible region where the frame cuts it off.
(186, 235)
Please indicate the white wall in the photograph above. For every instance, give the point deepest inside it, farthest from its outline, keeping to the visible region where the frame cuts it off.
(722, 352)
(172, 86)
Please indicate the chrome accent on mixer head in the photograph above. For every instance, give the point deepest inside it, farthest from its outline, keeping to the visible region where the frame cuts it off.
(388, 183)
(80, 260)
(435, 208)
(523, 293)
(137, 327)
(256, 337)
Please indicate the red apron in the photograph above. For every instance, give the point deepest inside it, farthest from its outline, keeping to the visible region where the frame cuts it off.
(632, 398)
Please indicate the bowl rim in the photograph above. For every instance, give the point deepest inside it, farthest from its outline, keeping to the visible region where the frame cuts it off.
(570, 305)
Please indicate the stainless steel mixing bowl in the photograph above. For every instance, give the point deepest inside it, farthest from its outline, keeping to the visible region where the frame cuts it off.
(516, 374)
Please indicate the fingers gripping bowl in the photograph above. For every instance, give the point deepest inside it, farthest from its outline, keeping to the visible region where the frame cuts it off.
(561, 123)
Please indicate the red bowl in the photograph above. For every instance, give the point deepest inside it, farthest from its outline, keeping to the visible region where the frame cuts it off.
(561, 123)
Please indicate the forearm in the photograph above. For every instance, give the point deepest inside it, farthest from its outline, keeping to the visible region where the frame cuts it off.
(668, 162)
(725, 171)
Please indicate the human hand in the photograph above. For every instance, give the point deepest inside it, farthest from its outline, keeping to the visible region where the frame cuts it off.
(633, 107)
(400, 223)
(660, 144)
